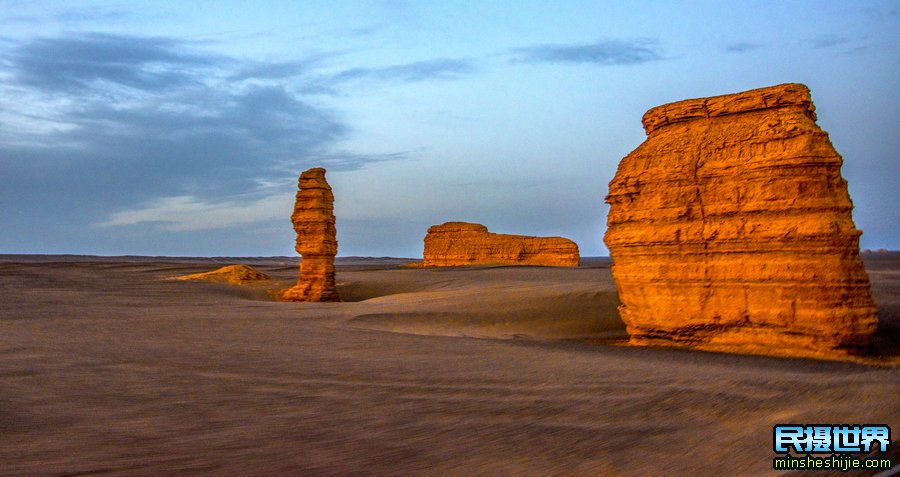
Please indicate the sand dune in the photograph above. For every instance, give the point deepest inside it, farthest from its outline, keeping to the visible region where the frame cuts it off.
(497, 302)
(106, 368)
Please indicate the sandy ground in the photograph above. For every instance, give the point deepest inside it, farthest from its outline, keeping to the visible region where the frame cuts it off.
(106, 368)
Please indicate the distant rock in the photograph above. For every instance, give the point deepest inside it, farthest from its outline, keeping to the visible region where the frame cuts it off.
(880, 251)
(463, 243)
(730, 229)
(314, 222)
(234, 274)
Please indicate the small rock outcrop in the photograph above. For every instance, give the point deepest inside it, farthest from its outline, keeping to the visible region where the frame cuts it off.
(233, 274)
(463, 243)
(314, 223)
(730, 229)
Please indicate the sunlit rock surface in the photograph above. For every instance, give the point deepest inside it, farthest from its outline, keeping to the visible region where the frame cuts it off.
(730, 229)
(314, 223)
(234, 274)
(463, 243)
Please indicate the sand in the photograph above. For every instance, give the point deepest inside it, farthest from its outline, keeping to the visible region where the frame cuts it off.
(107, 368)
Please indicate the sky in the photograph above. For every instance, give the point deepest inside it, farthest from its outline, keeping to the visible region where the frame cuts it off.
(180, 128)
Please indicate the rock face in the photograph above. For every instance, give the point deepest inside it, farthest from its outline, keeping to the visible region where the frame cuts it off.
(463, 243)
(730, 229)
(233, 274)
(313, 220)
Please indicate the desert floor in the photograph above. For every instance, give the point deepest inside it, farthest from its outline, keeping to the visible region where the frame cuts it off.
(107, 368)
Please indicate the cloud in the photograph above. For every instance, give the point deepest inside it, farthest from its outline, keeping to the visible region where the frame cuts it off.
(70, 15)
(277, 70)
(827, 41)
(411, 72)
(435, 69)
(741, 47)
(123, 130)
(204, 139)
(348, 161)
(189, 213)
(74, 64)
(304, 67)
(606, 52)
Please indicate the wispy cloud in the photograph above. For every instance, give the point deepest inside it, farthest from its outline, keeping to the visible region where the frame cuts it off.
(435, 69)
(348, 161)
(269, 71)
(827, 41)
(189, 213)
(605, 52)
(741, 47)
(278, 70)
(411, 72)
(71, 15)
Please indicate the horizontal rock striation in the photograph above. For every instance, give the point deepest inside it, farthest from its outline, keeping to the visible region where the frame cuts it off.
(730, 229)
(462, 243)
(314, 222)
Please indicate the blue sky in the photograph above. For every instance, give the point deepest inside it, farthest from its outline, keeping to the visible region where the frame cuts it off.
(179, 128)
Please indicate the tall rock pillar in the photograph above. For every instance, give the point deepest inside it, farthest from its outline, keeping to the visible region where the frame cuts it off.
(730, 229)
(313, 220)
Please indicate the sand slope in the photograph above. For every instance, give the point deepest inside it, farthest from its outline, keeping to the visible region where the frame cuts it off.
(107, 368)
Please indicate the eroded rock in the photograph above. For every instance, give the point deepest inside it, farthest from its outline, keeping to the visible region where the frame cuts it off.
(730, 229)
(234, 274)
(313, 220)
(462, 243)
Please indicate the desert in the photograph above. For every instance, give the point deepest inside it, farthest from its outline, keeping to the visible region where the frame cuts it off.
(110, 368)
(582, 238)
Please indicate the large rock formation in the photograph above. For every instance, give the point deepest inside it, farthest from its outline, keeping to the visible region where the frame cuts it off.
(730, 229)
(463, 243)
(313, 220)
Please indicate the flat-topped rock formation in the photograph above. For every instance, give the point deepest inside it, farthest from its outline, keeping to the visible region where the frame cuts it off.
(730, 229)
(233, 274)
(462, 243)
(313, 220)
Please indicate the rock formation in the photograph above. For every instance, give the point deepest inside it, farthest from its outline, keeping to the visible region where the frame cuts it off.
(463, 243)
(313, 220)
(233, 274)
(730, 229)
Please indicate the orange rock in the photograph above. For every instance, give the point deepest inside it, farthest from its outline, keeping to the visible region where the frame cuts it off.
(314, 223)
(463, 243)
(730, 229)
(234, 274)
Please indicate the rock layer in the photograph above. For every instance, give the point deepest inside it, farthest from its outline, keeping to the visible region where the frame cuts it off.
(313, 220)
(462, 243)
(730, 229)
